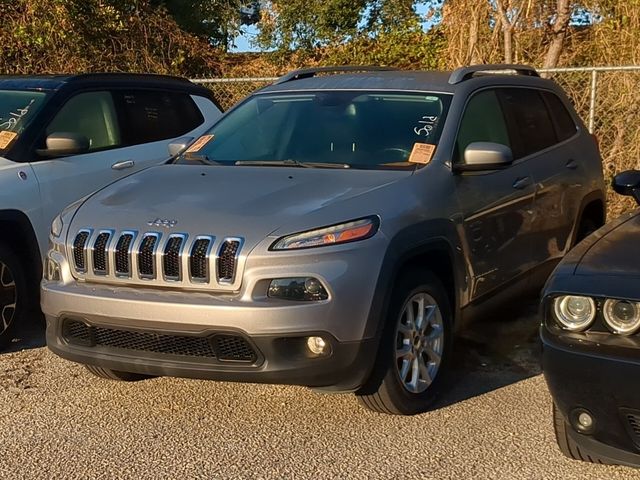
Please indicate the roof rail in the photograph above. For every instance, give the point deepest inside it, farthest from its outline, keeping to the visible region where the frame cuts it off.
(312, 72)
(464, 73)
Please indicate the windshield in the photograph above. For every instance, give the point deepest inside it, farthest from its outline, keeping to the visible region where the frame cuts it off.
(17, 108)
(325, 129)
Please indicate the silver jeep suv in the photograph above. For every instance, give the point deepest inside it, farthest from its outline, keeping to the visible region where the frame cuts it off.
(331, 231)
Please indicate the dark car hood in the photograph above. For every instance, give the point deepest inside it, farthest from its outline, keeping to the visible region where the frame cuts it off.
(616, 252)
(605, 264)
(250, 202)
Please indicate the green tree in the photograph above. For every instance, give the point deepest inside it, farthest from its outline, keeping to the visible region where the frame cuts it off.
(308, 24)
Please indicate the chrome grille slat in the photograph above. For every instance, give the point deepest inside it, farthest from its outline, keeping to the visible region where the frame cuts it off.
(158, 259)
(123, 254)
(146, 255)
(199, 259)
(100, 254)
(172, 258)
(79, 250)
(227, 259)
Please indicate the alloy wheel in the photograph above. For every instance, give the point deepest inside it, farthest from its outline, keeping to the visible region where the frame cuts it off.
(419, 342)
(8, 297)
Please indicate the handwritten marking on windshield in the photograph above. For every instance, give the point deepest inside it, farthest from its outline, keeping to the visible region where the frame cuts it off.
(15, 117)
(428, 123)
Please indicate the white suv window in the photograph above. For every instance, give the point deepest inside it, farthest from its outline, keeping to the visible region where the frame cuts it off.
(91, 114)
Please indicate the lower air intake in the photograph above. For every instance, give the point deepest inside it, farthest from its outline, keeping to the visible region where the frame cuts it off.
(219, 347)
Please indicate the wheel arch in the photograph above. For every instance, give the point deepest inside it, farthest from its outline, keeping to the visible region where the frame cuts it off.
(594, 207)
(17, 232)
(435, 254)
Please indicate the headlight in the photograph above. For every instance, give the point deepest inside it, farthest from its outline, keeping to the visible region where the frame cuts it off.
(56, 227)
(622, 316)
(360, 229)
(575, 313)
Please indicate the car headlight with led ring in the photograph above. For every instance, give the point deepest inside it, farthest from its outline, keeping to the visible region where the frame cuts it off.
(622, 316)
(574, 313)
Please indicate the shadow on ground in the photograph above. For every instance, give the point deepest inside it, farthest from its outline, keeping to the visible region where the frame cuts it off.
(494, 352)
(30, 334)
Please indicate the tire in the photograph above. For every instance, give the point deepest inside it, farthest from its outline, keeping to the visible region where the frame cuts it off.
(408, 383)
(14, 299)
(569, 447)
(117, 375)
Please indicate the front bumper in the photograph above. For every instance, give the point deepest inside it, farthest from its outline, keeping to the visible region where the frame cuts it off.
(275, 330)
(583, 374)
(278, 359)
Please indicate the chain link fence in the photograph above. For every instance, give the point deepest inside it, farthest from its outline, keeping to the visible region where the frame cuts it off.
(606, 98)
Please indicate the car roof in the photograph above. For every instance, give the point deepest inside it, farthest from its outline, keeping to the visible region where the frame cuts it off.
(376, 78)
(55, 82)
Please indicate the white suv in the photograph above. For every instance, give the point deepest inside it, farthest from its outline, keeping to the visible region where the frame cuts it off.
(64, 137)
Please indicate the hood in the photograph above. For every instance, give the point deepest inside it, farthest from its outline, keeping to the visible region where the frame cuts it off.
(616, 252)
(224, 201)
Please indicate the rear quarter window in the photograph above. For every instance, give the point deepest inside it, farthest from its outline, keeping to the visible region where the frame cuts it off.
(151, 116)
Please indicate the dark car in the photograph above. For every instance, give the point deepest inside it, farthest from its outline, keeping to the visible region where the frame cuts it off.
(591, 341)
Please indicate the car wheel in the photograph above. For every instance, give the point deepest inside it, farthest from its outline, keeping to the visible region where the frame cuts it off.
(414, 349)
(13, 298)
(109, 374)
(568, 446)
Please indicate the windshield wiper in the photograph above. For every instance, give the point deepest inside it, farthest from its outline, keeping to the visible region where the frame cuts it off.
(202, 158)
(290, 162)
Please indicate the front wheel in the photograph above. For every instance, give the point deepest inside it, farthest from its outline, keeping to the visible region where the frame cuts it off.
(13, 294)
(414, 348)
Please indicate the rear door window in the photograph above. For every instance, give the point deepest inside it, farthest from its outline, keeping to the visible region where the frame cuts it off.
(482, 121)
(562, 120)
(530, 124)
(151, 115)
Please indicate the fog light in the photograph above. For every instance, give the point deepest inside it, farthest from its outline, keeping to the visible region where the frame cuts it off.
(317, 345)
(583, 421)
(297, 288)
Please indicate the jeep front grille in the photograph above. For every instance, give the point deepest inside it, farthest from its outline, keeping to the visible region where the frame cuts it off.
(171, 259)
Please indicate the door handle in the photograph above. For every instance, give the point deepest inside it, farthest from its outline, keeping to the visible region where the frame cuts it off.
(521, 183)
(123, 165)
(572, 164)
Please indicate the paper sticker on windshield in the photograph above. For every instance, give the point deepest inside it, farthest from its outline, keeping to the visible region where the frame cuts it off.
(6, 137)
(198, 144)
(422, 153)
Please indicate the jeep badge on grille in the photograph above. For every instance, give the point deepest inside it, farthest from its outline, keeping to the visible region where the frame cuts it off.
(161, 222)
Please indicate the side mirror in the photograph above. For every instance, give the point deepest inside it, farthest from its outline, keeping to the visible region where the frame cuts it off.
(628, 183)
(65, 143)
(485, 156)
(179, 145)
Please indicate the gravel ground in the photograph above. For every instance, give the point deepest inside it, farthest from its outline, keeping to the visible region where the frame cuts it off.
(57, 421)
